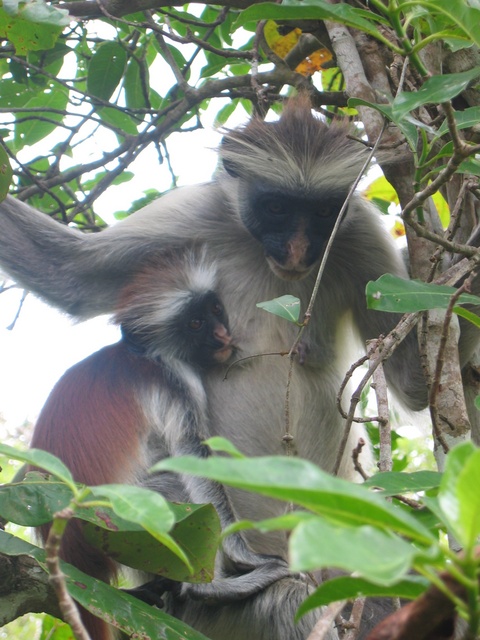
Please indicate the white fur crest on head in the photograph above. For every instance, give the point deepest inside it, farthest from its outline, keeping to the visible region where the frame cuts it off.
(297, 151)
(159, 292)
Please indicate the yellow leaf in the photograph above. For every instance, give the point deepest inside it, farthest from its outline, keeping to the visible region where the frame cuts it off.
(381, 189)
(314, 62)
(270, 32)
(442, 209)
(279, 44)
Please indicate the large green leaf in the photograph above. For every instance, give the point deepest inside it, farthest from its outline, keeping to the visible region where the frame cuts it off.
(119, 120)
(196, 532)
(42, 460)
(147, 508)
(312, 10)
(25, 34)
(462, 14)
(436, 89)
(348, 587)
(116, 607)
(459, 497)
(39, 126)
(302, 483)
(375, 555)
(37, 12)
(136, 84)
(392, 482)
(407, 125)
(106, 69)
(34, 501)
(397, 295)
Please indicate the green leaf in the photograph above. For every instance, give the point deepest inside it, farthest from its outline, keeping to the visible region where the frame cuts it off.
(378, 556)
(106, 69)
(112, 605)
(42, 460)
(51, 61)
(54, 629)
(470, 165)
(468, 315)
(224, 113)
(6, 173)
(34, 501)
(26, 35)
(136, 84)
(407, 125)
(311, 10)
(463, 119)
(124, 611)
(37, 11)
(42, 123)
(459, 497)
(120, 121)
(287, 307)
(392, 483)
(196, 531)
(147, 508)
(125, 176)
(397, 295)
(218, 443)
(302, 483)
(461, 14)
(436, 89)
(348, 587)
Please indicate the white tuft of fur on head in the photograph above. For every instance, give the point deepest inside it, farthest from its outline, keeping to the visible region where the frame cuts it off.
(299, 151)
(159, 292)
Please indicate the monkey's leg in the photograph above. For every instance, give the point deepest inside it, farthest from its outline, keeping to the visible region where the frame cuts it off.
(267, 615)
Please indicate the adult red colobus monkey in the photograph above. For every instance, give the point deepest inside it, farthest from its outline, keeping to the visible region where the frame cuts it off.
(264, 219)
(116, 413)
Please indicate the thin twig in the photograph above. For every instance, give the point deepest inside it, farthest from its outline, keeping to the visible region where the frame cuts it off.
(324, 626)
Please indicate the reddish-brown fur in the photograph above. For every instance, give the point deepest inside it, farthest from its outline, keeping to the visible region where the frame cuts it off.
(94, 423)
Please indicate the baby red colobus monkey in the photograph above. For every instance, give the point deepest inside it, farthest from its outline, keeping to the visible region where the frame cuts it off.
(113, 415)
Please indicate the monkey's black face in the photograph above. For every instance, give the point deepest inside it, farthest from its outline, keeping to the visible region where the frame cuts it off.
(204, 331)
(293, 229)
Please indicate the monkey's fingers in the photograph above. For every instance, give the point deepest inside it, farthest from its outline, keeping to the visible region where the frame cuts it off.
(151, 592)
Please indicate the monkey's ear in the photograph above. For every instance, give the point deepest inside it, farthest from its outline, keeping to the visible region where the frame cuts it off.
(229, 165)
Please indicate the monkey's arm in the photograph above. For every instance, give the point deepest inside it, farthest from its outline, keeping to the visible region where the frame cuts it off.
(371, 253)
(82, 274)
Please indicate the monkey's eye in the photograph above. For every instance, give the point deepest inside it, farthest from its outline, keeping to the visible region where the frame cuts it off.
(274, 206)
(196, 324)
(217, 309)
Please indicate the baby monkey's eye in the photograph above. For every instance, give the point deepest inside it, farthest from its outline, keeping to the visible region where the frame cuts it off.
(196, 324)
(217, 309)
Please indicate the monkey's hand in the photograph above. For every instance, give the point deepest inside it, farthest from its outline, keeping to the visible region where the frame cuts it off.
(151, 592)
(223, 590)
